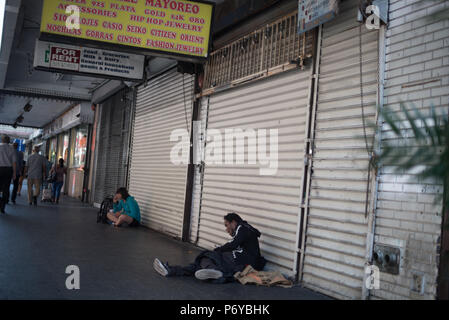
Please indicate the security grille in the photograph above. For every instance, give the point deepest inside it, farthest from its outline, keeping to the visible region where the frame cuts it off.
(274, 48)
(113, 144)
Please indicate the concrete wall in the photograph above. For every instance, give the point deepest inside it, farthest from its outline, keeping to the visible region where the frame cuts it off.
(417, 50)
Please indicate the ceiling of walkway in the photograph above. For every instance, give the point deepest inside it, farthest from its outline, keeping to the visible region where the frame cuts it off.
(21, 83)
(51, 94)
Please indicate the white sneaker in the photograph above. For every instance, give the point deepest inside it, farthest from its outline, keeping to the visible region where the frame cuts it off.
(205, 274)
(160, 268)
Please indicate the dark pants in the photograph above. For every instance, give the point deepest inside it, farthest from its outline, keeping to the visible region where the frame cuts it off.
(57, 189)
(5, 181)
(225, 264)
(205, 263)
(14, 189)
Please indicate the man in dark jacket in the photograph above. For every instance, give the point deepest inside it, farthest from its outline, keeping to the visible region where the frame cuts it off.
(224, 261)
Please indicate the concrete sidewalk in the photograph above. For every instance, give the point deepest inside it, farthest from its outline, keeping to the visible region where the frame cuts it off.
(37, 244)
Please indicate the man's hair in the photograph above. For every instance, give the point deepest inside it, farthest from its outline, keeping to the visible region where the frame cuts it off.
(6, 139)
(233, 217)
(15, 144)
(61, 162)
(123, 192)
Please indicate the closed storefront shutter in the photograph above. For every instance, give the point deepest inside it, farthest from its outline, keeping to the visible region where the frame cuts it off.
(163, 105)
(337, 225)
(113, 142)
(271, 203)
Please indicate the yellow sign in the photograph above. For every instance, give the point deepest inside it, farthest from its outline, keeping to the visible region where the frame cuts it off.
(171, 26)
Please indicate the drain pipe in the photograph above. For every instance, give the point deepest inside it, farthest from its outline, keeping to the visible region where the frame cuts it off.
(309, 153)
(375, 179)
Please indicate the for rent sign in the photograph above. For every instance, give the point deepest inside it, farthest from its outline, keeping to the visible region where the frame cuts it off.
(162, 26)
(65, 58)
(90, 61)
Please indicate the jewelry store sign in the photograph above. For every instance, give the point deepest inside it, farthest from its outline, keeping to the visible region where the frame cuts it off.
(160, 27)
(59, 57)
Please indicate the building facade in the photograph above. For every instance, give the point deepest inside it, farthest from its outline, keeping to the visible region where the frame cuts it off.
(325, 214)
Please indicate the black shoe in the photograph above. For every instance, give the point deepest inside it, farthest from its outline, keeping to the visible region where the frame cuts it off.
(35, 201)
(31, 203)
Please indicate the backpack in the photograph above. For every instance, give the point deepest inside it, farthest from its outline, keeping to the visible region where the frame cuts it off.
(106, 205)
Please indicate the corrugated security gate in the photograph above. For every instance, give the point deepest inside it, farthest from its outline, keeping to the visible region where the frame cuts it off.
(270, 202)
(163, 105)
(337, 225)
(113, 142)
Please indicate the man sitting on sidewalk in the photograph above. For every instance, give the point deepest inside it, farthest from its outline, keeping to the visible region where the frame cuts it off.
(126, 211)
(224, 261)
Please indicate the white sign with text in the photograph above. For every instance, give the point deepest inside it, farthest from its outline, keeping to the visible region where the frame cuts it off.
(99, 62)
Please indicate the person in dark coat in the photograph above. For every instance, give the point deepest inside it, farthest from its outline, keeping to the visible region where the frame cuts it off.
(223, 262)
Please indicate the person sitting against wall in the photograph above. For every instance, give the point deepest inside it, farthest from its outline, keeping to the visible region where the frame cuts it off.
(59, 171)
(221, 264)
(125, 211)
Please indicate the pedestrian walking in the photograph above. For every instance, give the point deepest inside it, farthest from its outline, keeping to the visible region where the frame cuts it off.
(19, 171)
(8, 163)
(59, 171)
(21, 178)
(36, 171)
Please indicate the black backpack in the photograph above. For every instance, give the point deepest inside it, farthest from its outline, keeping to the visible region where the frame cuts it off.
(106, 205)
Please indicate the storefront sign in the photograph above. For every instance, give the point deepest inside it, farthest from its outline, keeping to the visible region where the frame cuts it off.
(62, 57)
(312, 13)
(164, 26)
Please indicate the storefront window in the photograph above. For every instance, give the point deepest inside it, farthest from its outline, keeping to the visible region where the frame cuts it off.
(65, 150)
(52, 150)
(79, 156)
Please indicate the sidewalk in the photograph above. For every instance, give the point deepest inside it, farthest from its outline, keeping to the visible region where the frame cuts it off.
(38, 243)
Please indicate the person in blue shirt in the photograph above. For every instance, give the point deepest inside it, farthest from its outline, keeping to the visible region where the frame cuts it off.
(125, 209)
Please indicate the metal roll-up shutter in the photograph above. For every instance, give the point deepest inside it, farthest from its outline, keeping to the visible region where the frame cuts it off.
(163, 105)
(113, 144)
(270, 203)
(337, 228)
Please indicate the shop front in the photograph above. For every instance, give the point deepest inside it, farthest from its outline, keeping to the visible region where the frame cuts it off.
(77, 161)
(68, 138)
(163, 108)
(112, 141)
(51, 153)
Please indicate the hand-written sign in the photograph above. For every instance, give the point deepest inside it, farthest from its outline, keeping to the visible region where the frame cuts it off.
(92, 61)
(171, 26)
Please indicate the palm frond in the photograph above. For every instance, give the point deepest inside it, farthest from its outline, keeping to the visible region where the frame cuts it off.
(420, 140)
